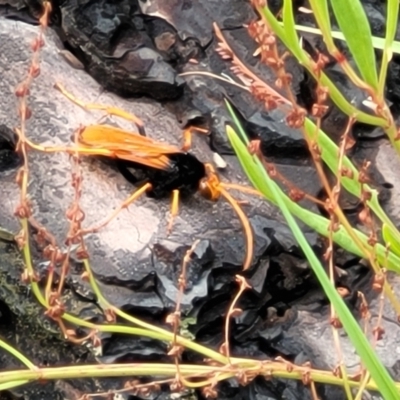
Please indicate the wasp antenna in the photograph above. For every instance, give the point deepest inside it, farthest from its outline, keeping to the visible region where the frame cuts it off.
(174, 210)
(45, 149)
(246, 227)
(107, 109)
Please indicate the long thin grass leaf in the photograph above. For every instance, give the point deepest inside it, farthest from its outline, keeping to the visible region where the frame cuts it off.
(321, 224)
(369, 358)
(321, 14)
(304, 59)
(377, 42)
(288, 23)
(389, 236)
(391, 27)
(354, 24)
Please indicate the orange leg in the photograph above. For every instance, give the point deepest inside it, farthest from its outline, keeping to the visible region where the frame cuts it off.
(109, 110)
(187, 136)
(174, 210)
(130, 200)
(134, 196)
(212, 188)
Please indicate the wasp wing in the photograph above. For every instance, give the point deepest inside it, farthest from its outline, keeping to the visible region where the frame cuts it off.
(117, 143)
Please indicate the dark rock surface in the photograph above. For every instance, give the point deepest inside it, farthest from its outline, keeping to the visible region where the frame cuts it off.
(116, 45)
(132, 258)
(136, 264)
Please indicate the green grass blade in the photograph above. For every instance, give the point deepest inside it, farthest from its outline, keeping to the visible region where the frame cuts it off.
(389, 236)
(392, 16)
(304, 59)
(321, 224)
(329, 154)
(321, 14)
(354, 24)
(377, 42)
(391, 27)
(288, 22)
(361, 344)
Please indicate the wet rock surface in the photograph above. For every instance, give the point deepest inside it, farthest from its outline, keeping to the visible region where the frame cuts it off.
(133, 260)
(24, 325)
(112, 39)
(136, 48)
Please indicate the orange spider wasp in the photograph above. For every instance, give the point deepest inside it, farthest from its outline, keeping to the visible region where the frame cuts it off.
(168, 169)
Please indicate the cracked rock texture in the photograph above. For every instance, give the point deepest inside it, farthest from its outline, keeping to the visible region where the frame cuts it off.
(134, 261)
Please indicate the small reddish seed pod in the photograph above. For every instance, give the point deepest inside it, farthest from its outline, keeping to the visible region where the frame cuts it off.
(347, 172)
(110, 316)
(335, 322)
(34, 70)
(70, 213)
(22, 90)
(37, 43)
(48, 252)
(340, 58)
(60, 256)
(270, 40)
(22, 211)
(378, 331)
(254, 147)
(378, 282)
(82, 254)
(270, 104)
(296, 195)
(289, 367)
(252, 29)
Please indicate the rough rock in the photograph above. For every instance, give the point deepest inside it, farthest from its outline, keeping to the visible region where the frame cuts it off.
(126, 242)
(132, 258)
(116, 50)
(133, 252)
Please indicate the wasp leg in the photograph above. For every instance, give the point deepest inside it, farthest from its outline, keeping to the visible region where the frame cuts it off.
(187, 136)
(134, 196)
(174, 210)
(108, 109)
